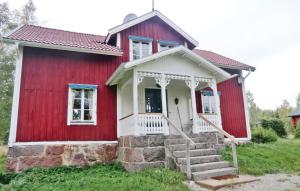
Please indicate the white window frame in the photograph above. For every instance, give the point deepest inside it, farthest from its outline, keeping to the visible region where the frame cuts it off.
(140, 42)
(70, 120)
(211, 104)
(169, 44)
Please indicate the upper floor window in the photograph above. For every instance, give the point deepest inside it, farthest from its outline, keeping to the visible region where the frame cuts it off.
(140, 47)
(164, 45)
(82, 104)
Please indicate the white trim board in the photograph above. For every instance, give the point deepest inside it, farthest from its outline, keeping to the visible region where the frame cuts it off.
(62, 143)
(145, 17)
(16, 97)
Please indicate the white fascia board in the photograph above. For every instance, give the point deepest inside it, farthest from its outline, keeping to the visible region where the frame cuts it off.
(60, 47)
(146, 17)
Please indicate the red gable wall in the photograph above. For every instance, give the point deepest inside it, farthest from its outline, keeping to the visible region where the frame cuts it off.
(153, 28)
(43, 95)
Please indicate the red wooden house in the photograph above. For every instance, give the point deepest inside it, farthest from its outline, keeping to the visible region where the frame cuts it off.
(76, 95)
(295, 117)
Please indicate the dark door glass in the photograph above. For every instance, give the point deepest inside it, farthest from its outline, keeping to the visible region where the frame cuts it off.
(153, 101)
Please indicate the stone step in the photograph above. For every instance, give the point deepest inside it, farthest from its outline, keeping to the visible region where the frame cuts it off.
(180, 147)
(213, 173)
(183, 141)
(197, 152)
(201, 159)
(209, 166)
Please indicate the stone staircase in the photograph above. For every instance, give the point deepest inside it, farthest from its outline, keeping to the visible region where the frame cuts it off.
(205, 162)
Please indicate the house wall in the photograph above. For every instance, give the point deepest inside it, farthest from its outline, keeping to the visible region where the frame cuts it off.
(44, 95)
(232, 108)
(153, 28)
(295, 120)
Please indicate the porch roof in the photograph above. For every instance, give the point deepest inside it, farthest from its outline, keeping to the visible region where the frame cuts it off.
(181, 50)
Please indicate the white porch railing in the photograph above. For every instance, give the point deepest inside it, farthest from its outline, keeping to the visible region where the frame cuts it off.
(152, 123)
(203, 126)
(148, 123)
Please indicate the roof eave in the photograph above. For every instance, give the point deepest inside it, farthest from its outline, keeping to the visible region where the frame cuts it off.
(146, 17)
(61, 47)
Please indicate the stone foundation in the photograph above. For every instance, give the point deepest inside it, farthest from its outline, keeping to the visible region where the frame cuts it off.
(139, 152)
(27, 156)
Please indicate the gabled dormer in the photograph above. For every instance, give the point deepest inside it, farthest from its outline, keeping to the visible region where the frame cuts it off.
(145, 35)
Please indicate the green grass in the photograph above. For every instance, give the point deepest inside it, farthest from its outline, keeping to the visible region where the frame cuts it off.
(257, 159)
(97, 177)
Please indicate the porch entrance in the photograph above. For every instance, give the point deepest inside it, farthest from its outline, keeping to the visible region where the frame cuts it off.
(153, 101)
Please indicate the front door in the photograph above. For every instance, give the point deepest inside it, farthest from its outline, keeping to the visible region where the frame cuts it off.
(153, 100)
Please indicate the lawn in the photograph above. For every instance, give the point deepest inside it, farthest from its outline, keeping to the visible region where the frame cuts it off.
(97, 177)
(257, 159)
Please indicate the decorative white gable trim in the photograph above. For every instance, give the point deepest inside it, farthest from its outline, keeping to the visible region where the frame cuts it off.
(146, 17)
(180, 49)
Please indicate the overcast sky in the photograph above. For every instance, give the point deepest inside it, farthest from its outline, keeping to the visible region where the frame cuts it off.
(261, 33)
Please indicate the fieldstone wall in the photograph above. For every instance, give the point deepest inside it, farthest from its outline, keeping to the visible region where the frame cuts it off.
(139, 152)
(27, 156)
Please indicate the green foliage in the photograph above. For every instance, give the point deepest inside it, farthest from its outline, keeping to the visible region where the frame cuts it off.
(261, 135)
(258, 159)
(98, 177)
(276, 124)
(297, 132)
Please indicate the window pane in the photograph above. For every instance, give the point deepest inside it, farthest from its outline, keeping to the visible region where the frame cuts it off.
(87, 115)
(163, 47)
(135, 50)
(76, 114)
(76, 103)
(88, 93)
(76, 93)
(88, 99)
(145, 49)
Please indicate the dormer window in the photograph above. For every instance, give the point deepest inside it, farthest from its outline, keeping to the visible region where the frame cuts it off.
(165, 45)
(139, 47)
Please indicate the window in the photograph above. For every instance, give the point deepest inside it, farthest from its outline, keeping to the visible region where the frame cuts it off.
(208, 102)
(82, 104)
(165, 45)
(140, 47)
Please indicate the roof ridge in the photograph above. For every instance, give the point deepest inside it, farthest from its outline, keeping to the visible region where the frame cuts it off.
(31, 25)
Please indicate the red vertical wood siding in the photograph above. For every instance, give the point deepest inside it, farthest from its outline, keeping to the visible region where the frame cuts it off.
(232, 108)
(198, 102)
(44, 95)
(153, 28)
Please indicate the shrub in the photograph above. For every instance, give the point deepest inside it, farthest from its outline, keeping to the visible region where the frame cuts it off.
(262, 135)
(297, 132)
(276, 124)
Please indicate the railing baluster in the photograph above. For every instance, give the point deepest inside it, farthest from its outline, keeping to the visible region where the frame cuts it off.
(188, 160)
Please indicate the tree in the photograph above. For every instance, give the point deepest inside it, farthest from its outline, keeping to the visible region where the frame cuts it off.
(27, 13)
(10, 19)
(253, 109)
(283, 112)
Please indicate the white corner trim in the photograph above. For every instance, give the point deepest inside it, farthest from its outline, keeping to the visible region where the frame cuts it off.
(119, 109)
(246, 109)
(16, 97)
(146, 17)
(62, 143)
(118, 44)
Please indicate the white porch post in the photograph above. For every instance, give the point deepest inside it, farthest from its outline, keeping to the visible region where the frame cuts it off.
(193, 100)
(135, 104)
(163, 83)
(217, 101)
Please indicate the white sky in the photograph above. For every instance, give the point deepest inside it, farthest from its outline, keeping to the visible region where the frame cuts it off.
(264, 34)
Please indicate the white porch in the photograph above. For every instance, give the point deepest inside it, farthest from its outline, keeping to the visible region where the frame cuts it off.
(159, 89)
(135, 107)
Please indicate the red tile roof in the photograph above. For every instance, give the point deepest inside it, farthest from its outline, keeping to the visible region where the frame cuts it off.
(222, 61)
(48, 36)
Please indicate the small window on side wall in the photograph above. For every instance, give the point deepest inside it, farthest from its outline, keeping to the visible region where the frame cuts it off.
(82, 104)
(208, 102)
(140, 47)
(165, 45)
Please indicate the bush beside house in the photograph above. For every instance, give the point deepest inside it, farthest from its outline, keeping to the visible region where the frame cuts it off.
(276, 124)
(262, 135)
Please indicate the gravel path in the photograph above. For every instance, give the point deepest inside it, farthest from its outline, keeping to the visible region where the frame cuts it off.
(269, 182)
